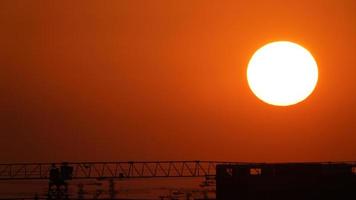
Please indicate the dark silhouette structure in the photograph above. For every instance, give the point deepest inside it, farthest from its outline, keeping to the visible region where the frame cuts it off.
(234, 180)
(60, 175)
(292, 181)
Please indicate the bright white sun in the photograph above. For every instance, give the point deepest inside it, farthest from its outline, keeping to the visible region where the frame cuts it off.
(282, 73)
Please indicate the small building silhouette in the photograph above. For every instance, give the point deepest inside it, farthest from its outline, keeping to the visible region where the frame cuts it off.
(281, 181)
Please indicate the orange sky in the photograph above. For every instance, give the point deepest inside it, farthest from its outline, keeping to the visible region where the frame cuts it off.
(166, 80)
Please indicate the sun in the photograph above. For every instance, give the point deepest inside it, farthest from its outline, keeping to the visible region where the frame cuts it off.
(282, 73)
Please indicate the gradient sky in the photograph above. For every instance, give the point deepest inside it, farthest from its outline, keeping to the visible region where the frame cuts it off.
(166, 80)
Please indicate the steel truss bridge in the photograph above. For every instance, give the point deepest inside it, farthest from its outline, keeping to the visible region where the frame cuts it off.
(111, 170)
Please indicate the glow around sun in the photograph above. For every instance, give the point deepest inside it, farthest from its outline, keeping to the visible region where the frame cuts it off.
(282, 73)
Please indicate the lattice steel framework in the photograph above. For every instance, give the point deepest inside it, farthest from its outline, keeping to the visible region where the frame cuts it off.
(112, 170)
